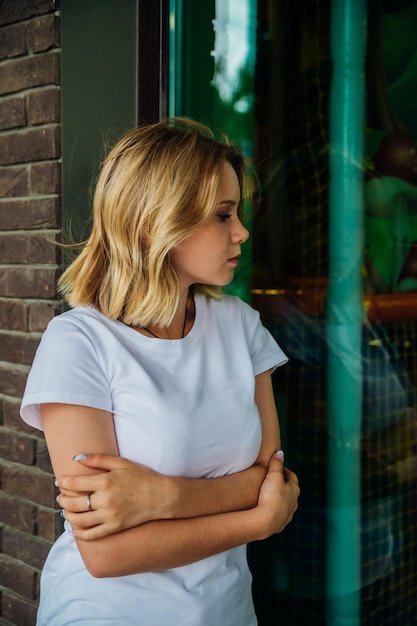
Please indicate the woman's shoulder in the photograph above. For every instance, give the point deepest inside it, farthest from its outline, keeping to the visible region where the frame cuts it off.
(81, 316)
(80, 324)
(76, 313)
(232, 315)
(231, 305)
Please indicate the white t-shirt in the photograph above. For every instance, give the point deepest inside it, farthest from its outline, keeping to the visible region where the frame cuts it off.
(183, 407)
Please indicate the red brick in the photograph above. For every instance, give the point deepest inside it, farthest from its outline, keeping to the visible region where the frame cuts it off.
(21, 546)
(13, 315)
(43, 462)
(12, 41)
(18, 348)
(13, 380)
(17, 10)
(11, 416)
(17, 610)
(41, 313)
(45, 177)
(43, 33)
(44, 106)
(29, 483)
(28, 248)
(17, 447)
(12, 113)
(13, 181)
(28, 282)
(29, 214)
(18, 577)
(27, 72)
(49, 523)
(17, 514)
(37, 144)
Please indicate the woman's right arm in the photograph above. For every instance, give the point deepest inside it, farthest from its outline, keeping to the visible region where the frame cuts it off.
(160, 544)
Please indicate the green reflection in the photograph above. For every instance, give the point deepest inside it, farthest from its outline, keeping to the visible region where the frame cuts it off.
(212, 80)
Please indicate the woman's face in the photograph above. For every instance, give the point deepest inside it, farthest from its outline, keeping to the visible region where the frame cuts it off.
(211, 255)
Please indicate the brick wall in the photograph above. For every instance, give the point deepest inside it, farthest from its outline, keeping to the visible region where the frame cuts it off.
(29, 263)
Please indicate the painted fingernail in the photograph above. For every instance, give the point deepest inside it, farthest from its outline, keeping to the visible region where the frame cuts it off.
(62, 514)
(279, 454)
(79, 457)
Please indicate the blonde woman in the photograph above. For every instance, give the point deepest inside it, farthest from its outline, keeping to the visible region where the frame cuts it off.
(153, 365)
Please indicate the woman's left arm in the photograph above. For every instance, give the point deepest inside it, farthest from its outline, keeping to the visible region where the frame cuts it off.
(265, 401)
(120, 494)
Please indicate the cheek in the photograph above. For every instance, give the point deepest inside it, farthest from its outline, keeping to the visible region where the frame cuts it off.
(199, 249)
(186, 255)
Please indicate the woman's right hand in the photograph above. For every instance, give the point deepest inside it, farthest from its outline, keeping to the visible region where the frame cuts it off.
(278, 497)
(123, 495)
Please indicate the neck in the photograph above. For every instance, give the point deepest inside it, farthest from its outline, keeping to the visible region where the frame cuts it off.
(181, 323)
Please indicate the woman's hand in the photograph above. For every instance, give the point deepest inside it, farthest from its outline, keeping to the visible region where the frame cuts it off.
(128, 494)
(125, 495)
(278, 497)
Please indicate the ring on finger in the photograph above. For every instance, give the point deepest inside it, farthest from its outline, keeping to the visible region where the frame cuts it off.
(89, 502)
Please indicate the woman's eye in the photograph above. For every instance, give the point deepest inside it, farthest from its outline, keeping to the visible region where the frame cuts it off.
(223, 217)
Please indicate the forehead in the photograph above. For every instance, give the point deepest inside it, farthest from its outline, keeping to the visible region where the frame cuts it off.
(229, 186)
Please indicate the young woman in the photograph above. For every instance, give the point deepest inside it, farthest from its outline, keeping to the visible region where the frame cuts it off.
(155, 366)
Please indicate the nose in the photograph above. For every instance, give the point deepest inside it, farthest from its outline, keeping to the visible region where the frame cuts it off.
(240, 233)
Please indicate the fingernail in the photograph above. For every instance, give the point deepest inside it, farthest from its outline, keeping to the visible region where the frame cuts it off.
(56, 483)
(79, 457)
(279, 454)
(62, 513)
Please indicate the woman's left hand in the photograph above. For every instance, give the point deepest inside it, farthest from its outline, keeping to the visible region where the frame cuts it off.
(123, 495)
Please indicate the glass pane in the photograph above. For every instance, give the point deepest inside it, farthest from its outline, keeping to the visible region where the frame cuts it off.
(215, 49)
(99, 95)
(271, 92)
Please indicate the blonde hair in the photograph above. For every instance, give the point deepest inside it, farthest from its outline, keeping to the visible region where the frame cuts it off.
(157, 186)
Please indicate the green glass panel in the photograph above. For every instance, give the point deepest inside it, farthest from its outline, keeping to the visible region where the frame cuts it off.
(99, 95)
(214, 82)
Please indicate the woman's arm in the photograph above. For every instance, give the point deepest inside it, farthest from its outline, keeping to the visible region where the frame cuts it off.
(161, 544)
(164, 544)
(265, 401)
(129, 494)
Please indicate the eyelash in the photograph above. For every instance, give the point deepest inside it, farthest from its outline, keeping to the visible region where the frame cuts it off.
(223, 217)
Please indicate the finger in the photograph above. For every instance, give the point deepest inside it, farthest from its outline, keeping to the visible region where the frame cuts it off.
(276, 462)
(85, 483)
(106, 462)
(78, 504)
(67, 492)
(95, 532)
(76, 485)
(290, 476)
(82, 520)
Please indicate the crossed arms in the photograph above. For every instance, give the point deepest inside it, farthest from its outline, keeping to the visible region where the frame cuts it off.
(144, 521)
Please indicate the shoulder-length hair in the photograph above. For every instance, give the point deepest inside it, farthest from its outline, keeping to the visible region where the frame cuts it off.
(157, 186)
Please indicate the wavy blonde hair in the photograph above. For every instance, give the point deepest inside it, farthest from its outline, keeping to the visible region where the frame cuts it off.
(157, 186)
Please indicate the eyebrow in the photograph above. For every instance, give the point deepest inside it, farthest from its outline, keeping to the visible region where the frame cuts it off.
(228, 202)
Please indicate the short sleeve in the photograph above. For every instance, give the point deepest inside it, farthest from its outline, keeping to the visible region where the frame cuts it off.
(264, 350)
(67, 369)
